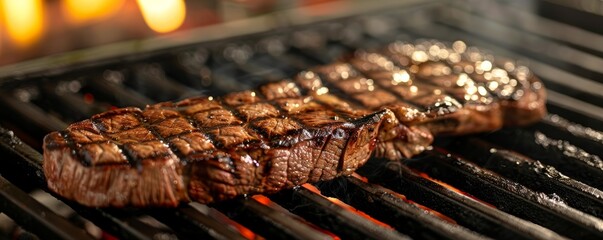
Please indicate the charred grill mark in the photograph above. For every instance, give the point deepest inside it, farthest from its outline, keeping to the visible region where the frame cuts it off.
(341, 131)
(106, 123)
(347, 113)
(388, 89)
(464, 65)
(411, 67)
(280, 109)
(444, 91)
(232, 110)
(131, 159)
(316, 88)
(72, 146)
(412, 77)
(442, 102)
(322, 150)
(364, 96)
(195, 124)
(157, 135)
(342, 155)
(301, 131)
(340, 162)
(281, 114)
(333, 89)
(65, 135)
(185, 157)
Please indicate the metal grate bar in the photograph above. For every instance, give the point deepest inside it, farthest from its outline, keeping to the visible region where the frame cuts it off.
(151, 80)
(72, 106)
(189, 222)
(188, 67)
(396, 210)
(586, 138)
(463, 208)
(582, 63)
(32, 215)
(561, 154)
(269, 220)
(265, 72)
(115, 92)
(517, 16)
(510, 197)
(225, 81)
(577, 110)
(31, 113)
(574, 13)
(532, 174)
(147, 225)
(324, 213)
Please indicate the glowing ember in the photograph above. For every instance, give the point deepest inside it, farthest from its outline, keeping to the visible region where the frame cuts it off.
(452, 188)
(163, 15)
(24, 20)
(346, 206)
(245, 232)
(434, 212)
(266, 201)
(362, 178)
(398, 195)
(311, 188)
(262, 199)
(88, 98)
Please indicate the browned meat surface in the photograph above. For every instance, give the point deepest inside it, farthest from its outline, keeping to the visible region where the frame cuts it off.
(325, 123)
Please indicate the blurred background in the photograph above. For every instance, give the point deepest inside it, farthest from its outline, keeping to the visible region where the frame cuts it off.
(34, 28)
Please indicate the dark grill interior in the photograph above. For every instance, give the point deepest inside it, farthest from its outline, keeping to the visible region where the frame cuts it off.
(539, 182)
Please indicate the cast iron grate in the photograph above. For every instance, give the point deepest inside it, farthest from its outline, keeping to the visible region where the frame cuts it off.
(541, 182)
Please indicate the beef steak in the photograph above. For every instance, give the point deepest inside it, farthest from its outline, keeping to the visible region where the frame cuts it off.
(324, 123)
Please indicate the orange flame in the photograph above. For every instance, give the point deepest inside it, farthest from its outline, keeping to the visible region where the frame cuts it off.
(266, 201)
(346, 206)
(361, 178)
(427, 209)
(452, 188)
(403, 198)
(163, 15)
(79, 11)
(262, 199)
(244, 231)
(24, 21)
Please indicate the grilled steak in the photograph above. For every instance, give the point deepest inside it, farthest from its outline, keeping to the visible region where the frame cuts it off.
(324, 123)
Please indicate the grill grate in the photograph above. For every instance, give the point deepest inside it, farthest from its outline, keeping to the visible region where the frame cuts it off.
(539, 182)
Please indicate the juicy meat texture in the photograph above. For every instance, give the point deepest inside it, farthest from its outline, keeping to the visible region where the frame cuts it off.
(324, 123)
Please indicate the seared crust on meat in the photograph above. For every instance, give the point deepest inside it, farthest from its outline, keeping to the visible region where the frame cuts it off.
(83, 165)
(324, 123)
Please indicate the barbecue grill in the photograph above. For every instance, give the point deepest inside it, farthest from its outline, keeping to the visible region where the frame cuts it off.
(539, 182)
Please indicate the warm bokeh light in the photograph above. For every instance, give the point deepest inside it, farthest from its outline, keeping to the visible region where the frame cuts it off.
(24, 20)
(80, 11)
(163, 15)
